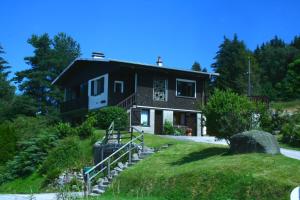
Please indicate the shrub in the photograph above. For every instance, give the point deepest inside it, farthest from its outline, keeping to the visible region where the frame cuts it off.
(64, 129)
(168, 128)
(8, 142)
(227, 113)
(106, 115)
(32, 153)
(65, 155)
(291, 130)
(86, 129)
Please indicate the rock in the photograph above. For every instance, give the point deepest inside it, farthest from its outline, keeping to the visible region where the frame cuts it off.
(135, 157)
(254, 141)
(120, 165)
(118, 169)
(97, 190)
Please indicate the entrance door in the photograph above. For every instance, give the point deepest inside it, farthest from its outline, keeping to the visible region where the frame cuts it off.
(158, 126)
(98, 90)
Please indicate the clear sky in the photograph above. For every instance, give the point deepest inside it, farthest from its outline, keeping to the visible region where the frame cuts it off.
(180, 31)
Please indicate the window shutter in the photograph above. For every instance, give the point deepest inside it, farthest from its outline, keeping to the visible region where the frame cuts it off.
(136, 117)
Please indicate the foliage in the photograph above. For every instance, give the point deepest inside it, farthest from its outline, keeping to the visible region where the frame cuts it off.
(227, 113)
(106, 115)
(196, 66)
(64, 156)
(64, 129)
(291, 130)
(7, 90)
(291, 82)
(273, 58)
(87, 127)
(50, 57)
(32, 153)
(232, 64)
(8, 142)
(28, 127)
(168, 128)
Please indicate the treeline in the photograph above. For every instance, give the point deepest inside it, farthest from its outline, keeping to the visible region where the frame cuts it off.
(275, 68)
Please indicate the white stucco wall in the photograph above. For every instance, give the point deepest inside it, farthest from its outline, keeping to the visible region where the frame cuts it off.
(199, 115)
(167, 116)
(148, 129)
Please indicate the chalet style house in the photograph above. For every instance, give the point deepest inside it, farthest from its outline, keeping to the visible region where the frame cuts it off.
(151, 94)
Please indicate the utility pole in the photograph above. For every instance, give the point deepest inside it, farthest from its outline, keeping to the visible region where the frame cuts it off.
(249, 77)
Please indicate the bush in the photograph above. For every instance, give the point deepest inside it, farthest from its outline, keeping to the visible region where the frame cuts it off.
(32, 153)
(65, 155)
(8, 142)
(168, 128)
(227, 113)
(86, 129)
(106, 115)
(64, 129)
(291, 131)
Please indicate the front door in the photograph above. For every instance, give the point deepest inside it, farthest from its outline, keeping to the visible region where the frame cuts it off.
(158, 126)
(98, 92)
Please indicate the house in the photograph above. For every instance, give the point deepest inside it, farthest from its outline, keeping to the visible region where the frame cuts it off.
(151, 94)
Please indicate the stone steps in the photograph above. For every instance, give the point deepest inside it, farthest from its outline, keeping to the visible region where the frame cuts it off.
(104, 183)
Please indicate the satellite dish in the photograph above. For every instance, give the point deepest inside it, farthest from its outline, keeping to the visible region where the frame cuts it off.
(295, 195)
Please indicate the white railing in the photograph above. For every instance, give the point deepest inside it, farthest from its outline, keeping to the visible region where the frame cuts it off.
(106, 164)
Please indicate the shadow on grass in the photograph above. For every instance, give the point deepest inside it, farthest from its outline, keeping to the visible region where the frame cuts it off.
(203, 154)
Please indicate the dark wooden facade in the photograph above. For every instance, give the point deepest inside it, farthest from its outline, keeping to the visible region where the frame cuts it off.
(81, 71)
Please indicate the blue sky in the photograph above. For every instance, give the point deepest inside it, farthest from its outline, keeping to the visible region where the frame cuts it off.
(181, 31)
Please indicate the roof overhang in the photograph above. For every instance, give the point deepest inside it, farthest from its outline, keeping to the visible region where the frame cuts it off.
(133, 63)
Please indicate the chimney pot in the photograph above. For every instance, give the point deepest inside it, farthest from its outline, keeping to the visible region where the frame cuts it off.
(159, 61)
(98, 55)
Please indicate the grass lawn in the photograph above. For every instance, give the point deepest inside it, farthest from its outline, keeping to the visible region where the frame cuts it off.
(30, 184)
(189, 170)
(287, 105)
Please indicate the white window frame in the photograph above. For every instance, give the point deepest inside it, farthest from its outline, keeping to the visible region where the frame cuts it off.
(188, 81)
(148, 117)
(122, 86)
(93, 81)
(166, 90)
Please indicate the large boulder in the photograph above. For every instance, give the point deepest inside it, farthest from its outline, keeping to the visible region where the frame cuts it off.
(254, 141)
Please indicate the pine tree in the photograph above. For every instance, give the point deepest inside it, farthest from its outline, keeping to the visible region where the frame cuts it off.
(50, 57)
(196, 66)
(232, 65)
(6, 89)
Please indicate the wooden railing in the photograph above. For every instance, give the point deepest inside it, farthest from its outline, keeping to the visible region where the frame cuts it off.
(128, 102)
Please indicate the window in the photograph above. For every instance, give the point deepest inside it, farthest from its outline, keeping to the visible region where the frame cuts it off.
(119, 87)
(145, 116)
(185, 88)
(160, 90)
(97, 86)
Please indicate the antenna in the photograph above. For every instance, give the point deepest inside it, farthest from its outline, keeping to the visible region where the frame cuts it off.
(249, 77)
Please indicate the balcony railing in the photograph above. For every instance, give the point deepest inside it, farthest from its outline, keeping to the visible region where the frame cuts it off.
(74, 104)
(128, 102)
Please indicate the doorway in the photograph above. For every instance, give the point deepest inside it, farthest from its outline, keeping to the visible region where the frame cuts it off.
(158, 125)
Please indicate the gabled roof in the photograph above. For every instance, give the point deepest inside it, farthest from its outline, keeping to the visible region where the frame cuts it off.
(137, 64)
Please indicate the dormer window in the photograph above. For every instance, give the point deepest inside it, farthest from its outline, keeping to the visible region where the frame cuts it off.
(119, 87)
(185, 88)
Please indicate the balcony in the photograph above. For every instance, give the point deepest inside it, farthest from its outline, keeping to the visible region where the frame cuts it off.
(74, 104)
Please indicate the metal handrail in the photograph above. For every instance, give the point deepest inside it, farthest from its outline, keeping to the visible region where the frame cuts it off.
(107, 162)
